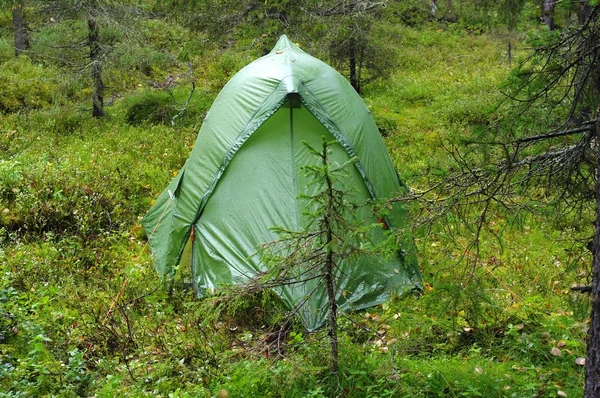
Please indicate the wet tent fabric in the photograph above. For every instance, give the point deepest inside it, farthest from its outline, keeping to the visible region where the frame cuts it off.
(244, 176)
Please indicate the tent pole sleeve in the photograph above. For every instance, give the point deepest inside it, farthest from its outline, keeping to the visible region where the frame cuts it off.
(293, 160)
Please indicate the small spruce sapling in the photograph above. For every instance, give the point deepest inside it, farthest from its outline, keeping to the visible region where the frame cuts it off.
(332, 233)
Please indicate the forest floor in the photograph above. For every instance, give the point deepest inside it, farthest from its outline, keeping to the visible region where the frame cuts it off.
(83, 312)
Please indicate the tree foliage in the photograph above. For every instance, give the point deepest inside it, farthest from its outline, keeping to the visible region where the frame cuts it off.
(341, 30)
(545, 151)
(544, 148)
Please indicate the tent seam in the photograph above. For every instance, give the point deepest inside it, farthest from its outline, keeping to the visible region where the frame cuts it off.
(255, 124)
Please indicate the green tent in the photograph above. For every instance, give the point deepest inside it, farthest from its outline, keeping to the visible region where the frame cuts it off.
(244, 177)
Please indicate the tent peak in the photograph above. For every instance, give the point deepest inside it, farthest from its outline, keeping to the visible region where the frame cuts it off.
(284, 43)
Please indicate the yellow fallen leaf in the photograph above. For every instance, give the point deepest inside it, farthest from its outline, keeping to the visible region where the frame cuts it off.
(556, 351)
(223, 393)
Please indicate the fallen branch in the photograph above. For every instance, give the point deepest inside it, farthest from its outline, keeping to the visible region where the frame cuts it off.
(187, 103)
(586, 126)
(582, 289)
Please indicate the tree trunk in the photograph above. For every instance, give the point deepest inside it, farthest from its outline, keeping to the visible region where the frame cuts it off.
(592, 371)
(333, 340)
(20, 28)
(548, 13)
(434, 7)
(96, 63)
(584, 13)
(354, 78)
(592, 362)
(330, 271)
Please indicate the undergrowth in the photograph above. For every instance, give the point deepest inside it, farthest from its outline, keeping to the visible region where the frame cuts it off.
(82, 312)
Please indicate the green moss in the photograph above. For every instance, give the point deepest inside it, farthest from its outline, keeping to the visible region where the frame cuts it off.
(84, 313)
(25, 85)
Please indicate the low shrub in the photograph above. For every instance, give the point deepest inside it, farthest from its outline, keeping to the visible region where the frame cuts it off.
(153, 108)
(26, 86)
(386, 124)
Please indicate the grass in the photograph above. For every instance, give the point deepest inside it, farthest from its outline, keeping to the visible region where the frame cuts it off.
(85, 314)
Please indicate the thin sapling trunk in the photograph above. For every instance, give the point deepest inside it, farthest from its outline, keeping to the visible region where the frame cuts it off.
(329, 264)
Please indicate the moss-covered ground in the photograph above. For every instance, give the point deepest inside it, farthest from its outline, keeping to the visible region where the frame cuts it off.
(83, 313)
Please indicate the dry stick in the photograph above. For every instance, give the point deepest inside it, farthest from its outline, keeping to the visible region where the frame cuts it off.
(515, 295)
(587, 126)
(187, 103)
(116, 299)
(502, 283)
